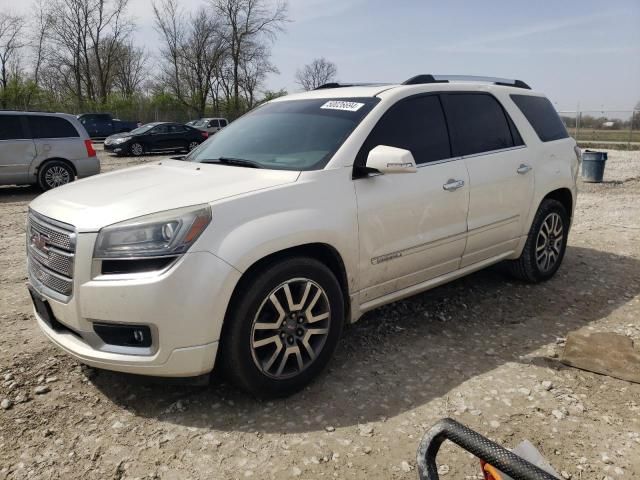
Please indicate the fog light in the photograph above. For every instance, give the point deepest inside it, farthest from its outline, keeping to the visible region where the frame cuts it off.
(123, 335)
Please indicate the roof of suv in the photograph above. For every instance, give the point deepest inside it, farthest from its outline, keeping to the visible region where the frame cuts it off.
(424, 82)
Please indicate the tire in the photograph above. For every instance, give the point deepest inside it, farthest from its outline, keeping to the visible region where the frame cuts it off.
(136, 149)
(191, 145)
(263, 361)
(55, 173)
(546, 244)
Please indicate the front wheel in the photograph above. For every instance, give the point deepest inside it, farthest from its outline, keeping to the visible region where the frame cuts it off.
(136, 149)
(283, 327)
(546, 244)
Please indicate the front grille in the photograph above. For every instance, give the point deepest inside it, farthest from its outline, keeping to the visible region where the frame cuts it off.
(50, 253)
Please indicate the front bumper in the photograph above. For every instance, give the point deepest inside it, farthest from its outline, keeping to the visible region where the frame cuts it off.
(184, 307)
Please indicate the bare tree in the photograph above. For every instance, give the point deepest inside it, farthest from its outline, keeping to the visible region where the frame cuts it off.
(248, 23)
(254, 68)
(129, 69)
(193, 52)
(10, 42)
(316, 73)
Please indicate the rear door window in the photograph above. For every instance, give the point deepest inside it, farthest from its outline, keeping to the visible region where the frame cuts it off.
(478, 123)
(51, 127)
(214, 123)
(416, 124)
(11, 128)
(542, 116)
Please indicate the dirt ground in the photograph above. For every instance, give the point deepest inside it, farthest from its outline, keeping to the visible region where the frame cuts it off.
(482, 350)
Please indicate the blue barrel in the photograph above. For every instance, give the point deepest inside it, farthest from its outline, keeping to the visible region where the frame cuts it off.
(593, 166)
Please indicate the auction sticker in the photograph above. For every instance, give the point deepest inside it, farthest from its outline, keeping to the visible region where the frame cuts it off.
(341, 105)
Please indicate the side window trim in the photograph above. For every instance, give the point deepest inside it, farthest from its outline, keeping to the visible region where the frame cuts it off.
(508, 119)
(361, 159)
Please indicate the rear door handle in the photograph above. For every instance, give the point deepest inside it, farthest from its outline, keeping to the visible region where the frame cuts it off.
(524, 168)
(453, 185)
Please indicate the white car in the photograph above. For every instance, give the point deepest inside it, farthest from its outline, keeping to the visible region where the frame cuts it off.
(210, 125)
(296, 219)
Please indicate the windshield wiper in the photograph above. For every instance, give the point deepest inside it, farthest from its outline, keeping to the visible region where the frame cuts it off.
(238, 162)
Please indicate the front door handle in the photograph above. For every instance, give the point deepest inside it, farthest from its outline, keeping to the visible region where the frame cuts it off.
(524, 168)
(453, 185)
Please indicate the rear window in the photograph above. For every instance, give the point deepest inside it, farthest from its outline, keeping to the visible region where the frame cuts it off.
(542, 116)
(11, 128)
(479, 123)
(51, 127)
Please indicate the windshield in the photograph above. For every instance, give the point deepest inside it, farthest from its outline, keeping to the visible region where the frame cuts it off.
(288, 135)
(142, 129)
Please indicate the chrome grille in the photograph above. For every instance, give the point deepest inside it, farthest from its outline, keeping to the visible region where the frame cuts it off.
(50, 253)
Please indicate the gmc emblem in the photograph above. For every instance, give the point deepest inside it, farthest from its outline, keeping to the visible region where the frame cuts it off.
(39, 242)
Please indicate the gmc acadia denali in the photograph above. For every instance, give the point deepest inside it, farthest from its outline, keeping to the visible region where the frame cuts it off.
(256, 249)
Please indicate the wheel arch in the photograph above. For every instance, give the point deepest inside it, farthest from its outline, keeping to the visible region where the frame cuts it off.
(56, 159)
(323, 252)
(564, 196)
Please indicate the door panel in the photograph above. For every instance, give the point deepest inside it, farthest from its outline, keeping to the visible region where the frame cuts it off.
(411, 229)
(499, 202)
(15, 158)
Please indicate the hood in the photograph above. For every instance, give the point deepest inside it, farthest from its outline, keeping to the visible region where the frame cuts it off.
(102, 200)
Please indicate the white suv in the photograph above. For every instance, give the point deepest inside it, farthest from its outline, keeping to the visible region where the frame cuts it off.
(296, 219)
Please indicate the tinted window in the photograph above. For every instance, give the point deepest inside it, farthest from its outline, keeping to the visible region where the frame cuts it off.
(177, 129)
(51, 127)
(542, 116)
(415, 124)
(223, 123)
(214, 123)
(160, 129)
(479, 123)
(11, 128)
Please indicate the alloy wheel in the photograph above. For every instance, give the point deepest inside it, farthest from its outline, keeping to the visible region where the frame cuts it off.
(290, 328)
(193, 145)
(137, 149)
(56, 176)
(549, 242)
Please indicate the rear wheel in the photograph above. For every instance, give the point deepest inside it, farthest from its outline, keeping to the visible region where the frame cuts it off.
(284, 327)
(546, 244)
(55, 173)
(192, 145)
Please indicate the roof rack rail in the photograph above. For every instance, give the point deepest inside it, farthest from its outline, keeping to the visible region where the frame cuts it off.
(343, 85)
(428, 78)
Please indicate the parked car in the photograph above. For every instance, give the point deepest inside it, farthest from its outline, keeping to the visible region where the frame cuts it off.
(191, 123)
(47, 149)
(101, 125)
(155, 137)
(211, 125)
(296, 219)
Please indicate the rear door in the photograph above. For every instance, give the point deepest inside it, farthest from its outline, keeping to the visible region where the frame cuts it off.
(55, 137)
(412, 227)
(500, 173)
(17, 150)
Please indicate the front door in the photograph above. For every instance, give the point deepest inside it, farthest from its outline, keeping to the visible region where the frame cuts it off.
(500, 173)
(412, 227)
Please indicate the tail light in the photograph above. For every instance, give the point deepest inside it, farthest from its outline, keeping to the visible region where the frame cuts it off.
(205, 134)
(90, 150)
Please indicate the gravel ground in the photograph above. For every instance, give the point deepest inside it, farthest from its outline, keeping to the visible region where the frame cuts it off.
(482, 350)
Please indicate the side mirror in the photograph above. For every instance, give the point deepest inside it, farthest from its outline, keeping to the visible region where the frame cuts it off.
(386, 160)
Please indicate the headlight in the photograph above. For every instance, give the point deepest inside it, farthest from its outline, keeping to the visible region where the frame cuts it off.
(120, 140)
(157, 235)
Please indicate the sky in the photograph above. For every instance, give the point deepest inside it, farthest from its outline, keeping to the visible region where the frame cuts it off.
(582, 53)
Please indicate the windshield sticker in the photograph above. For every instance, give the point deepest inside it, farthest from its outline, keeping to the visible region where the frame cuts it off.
(341, 105)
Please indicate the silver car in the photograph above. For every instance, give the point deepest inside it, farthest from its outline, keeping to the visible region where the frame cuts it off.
(47, 149)
(211, 125)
